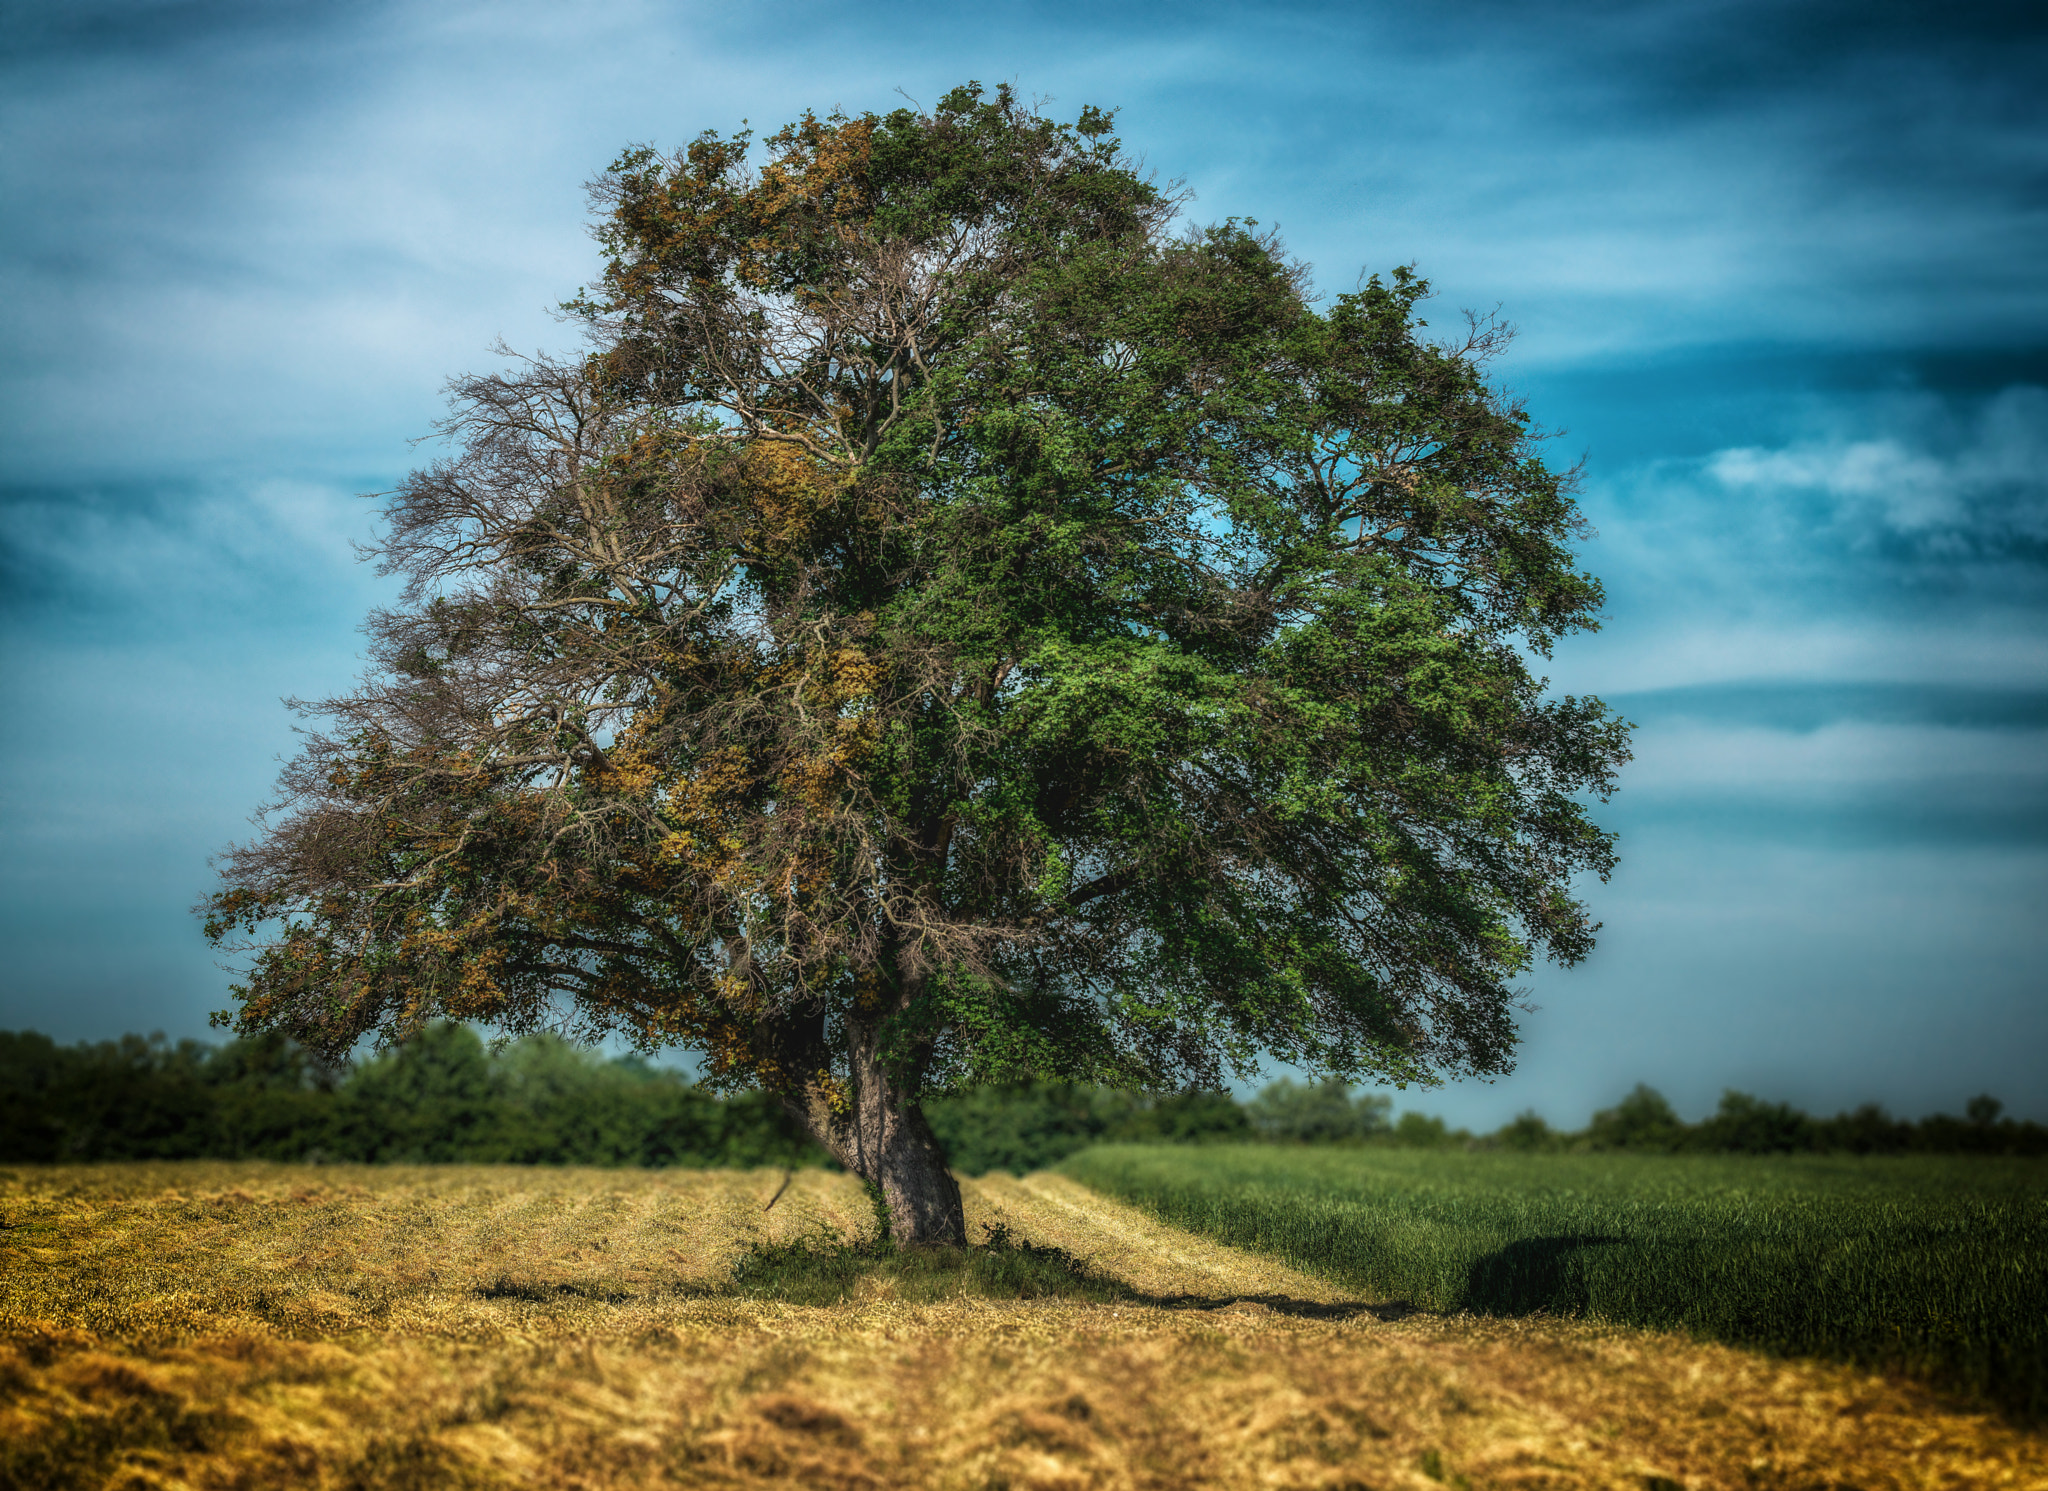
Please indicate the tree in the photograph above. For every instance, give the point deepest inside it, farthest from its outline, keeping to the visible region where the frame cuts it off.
(1318, 1113)
(1642, 1120)
(952, 626)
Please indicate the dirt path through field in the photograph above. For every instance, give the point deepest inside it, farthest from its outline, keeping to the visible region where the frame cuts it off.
(1151, 1257)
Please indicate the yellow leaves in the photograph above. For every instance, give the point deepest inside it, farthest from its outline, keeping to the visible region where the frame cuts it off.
(787, 488)
(833, 1091)
(708, 842)
(678, 848)
(700, 215)
(818, 779)
(632, 775)
(818, 181)
(719, 804)
(733, 990)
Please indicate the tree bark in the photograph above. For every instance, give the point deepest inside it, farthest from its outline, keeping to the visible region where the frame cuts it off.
(885, 1140)
(895, 1149)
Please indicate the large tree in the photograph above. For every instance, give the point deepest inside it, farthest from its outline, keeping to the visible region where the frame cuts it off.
(953, 624)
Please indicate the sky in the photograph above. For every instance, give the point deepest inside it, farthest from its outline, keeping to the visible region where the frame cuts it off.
(1780, 274)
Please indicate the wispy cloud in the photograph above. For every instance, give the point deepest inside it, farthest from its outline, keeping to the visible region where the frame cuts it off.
(1904, 497)
(1899, 536)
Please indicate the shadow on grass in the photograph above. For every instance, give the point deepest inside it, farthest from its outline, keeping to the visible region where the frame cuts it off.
(506, 1287)
(1532, 1275)
(1987, 1365)
(827, 1271)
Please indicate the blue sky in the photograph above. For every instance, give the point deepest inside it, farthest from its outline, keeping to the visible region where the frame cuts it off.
(1780, 270)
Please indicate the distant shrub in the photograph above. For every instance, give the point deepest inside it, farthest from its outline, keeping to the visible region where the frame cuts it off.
(444, 1097)
(1747, 1125)
(1322, 1113)
(1421, 1131)
(1529, 1132)
(1018, 1128)
(1743, 1124)
(1029, 1126)
(1642, 1120)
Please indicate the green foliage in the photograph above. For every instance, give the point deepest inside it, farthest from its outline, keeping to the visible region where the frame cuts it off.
(1743, 1124)
(1748, 1125)
(1642, 1120)
(445, 1096)
(1318, 1113)
(1423, 1131)
(1528, 1131)
(1021, 1127)
(1938, 1268)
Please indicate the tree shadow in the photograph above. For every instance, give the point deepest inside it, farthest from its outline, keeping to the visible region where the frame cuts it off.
(1532, 1275)
(1280, 1304)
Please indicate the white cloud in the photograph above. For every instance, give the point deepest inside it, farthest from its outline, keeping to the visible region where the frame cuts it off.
(1989, 491)
(1911, 490)
(284, 238)
(184, 550)
(1770, 637)
(1901, 539)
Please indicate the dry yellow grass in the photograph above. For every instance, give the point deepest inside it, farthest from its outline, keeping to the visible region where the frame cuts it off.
(1152, 1258)
(212, 1325)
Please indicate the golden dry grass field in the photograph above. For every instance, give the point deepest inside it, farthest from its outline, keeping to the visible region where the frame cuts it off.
(218, 1325)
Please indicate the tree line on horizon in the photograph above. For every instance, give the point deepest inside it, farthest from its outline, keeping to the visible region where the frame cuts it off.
(448, 1097)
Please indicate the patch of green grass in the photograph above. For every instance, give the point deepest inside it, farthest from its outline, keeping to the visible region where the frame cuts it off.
(827, 1271)
(1933, 1267)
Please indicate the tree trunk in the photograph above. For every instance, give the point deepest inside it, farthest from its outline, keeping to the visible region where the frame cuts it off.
(895, 1149)
(886, 1142)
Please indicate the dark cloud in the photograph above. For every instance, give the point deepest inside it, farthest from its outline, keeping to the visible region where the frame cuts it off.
(1959, 371)
(1807, 705)
(59, 31)
(98, 558)
(1914, 820)
(1708, 55)
(1905, 57)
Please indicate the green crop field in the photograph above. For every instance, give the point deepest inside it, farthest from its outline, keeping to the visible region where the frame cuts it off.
(1933, 1267)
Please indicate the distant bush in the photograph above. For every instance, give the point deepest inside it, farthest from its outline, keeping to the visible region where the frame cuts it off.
(1421, 1131)
(441, 1097)
(1529, 1132)
(1643, 1121)
(1324, 1113)
(1031, 1126)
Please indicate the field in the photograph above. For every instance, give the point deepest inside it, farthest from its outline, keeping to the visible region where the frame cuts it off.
(200, 1324)
(1934, 1267)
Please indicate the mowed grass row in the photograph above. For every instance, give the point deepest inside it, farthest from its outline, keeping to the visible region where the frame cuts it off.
(1934, 1267)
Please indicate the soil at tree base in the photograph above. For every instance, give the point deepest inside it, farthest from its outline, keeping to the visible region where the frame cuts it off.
(205, 1324)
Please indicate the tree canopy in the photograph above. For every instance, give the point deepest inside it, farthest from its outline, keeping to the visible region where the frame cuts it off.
(954, 623)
